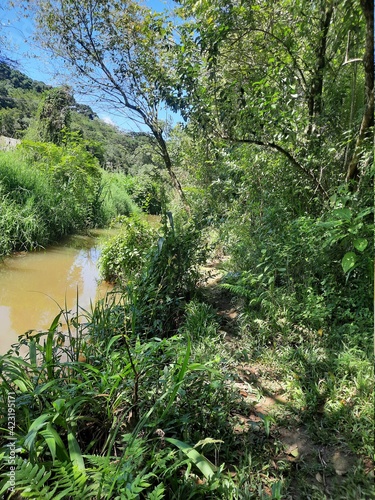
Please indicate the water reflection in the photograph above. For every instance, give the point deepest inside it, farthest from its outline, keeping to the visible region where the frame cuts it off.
(34, 286)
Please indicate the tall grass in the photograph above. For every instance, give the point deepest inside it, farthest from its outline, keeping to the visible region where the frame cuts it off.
(101, 414)
(116, 199)
(24, 194)
(47, 192)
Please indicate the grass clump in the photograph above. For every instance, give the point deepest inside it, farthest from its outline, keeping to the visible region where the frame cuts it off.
(124, 255)
(49, 191)
(117, 200)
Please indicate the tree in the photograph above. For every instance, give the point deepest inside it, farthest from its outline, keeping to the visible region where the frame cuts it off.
(118, 51)
(53, 117)
(274, 75)
(367, 122)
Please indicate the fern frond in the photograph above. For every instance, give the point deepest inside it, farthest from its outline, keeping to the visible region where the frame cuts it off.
(240, 290)
(157, 493)
(61, 482)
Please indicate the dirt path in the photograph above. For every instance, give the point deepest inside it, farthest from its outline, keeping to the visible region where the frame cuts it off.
(264, 390)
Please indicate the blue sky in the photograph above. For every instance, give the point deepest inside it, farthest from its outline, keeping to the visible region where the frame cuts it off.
(18, 32)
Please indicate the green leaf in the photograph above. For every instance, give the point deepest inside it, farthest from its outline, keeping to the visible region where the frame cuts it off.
(55, 323)
(21, 385)
(49, 353)
(360, 244)
(75, 452)
(41, 388)
(34, 428)
(32, 351)
(54, 443)
(348, 261)
(342, 213)
(204, 465)
(329, 223)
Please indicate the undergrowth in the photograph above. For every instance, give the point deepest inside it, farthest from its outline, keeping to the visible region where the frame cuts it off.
(49, 191)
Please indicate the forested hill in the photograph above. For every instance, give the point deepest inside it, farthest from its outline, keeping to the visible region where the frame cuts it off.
(23, 95)
(20, 99)
(18, 80)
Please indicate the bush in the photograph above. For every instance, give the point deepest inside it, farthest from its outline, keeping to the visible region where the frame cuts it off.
(146, 193)
(117, 200)
(75, 176)
(124, 255)
(169, 277)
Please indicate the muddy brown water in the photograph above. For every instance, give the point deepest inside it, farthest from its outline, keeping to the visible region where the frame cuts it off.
(34, 285)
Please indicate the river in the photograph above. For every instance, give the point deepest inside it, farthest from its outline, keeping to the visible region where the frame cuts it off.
(34, 285)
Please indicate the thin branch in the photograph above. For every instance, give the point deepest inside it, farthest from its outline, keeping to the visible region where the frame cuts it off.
(352, 61)
(287, 154)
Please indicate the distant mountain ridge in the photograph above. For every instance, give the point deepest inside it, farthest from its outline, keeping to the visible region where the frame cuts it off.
(19, 80)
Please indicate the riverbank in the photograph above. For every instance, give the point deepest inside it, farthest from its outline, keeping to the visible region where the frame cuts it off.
(168, 392)
(48, 192)
(35, 286)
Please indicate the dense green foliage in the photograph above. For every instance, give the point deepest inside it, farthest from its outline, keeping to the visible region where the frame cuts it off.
(153, 394)
(37, 112)
(52, 194)
(49, 191)
(124, 255)
(102, 368)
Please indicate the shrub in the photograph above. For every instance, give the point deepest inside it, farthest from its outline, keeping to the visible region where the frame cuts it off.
(146, 192)
(124, 255)
(169, 276)
(117, 200)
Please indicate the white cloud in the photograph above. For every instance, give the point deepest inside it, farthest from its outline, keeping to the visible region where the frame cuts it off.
(108, 121)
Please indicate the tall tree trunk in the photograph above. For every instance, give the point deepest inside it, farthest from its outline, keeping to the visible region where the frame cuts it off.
(368, 115)
(368, 11)
(168, 165)
(316, 91)
(367, 121)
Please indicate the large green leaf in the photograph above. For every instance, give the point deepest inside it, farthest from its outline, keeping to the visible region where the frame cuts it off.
(360, 244)
(21, 384)
(37, 425)
(54, 443)
(342, 213)
(204, 465)
(75, 452)
(349, 261)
